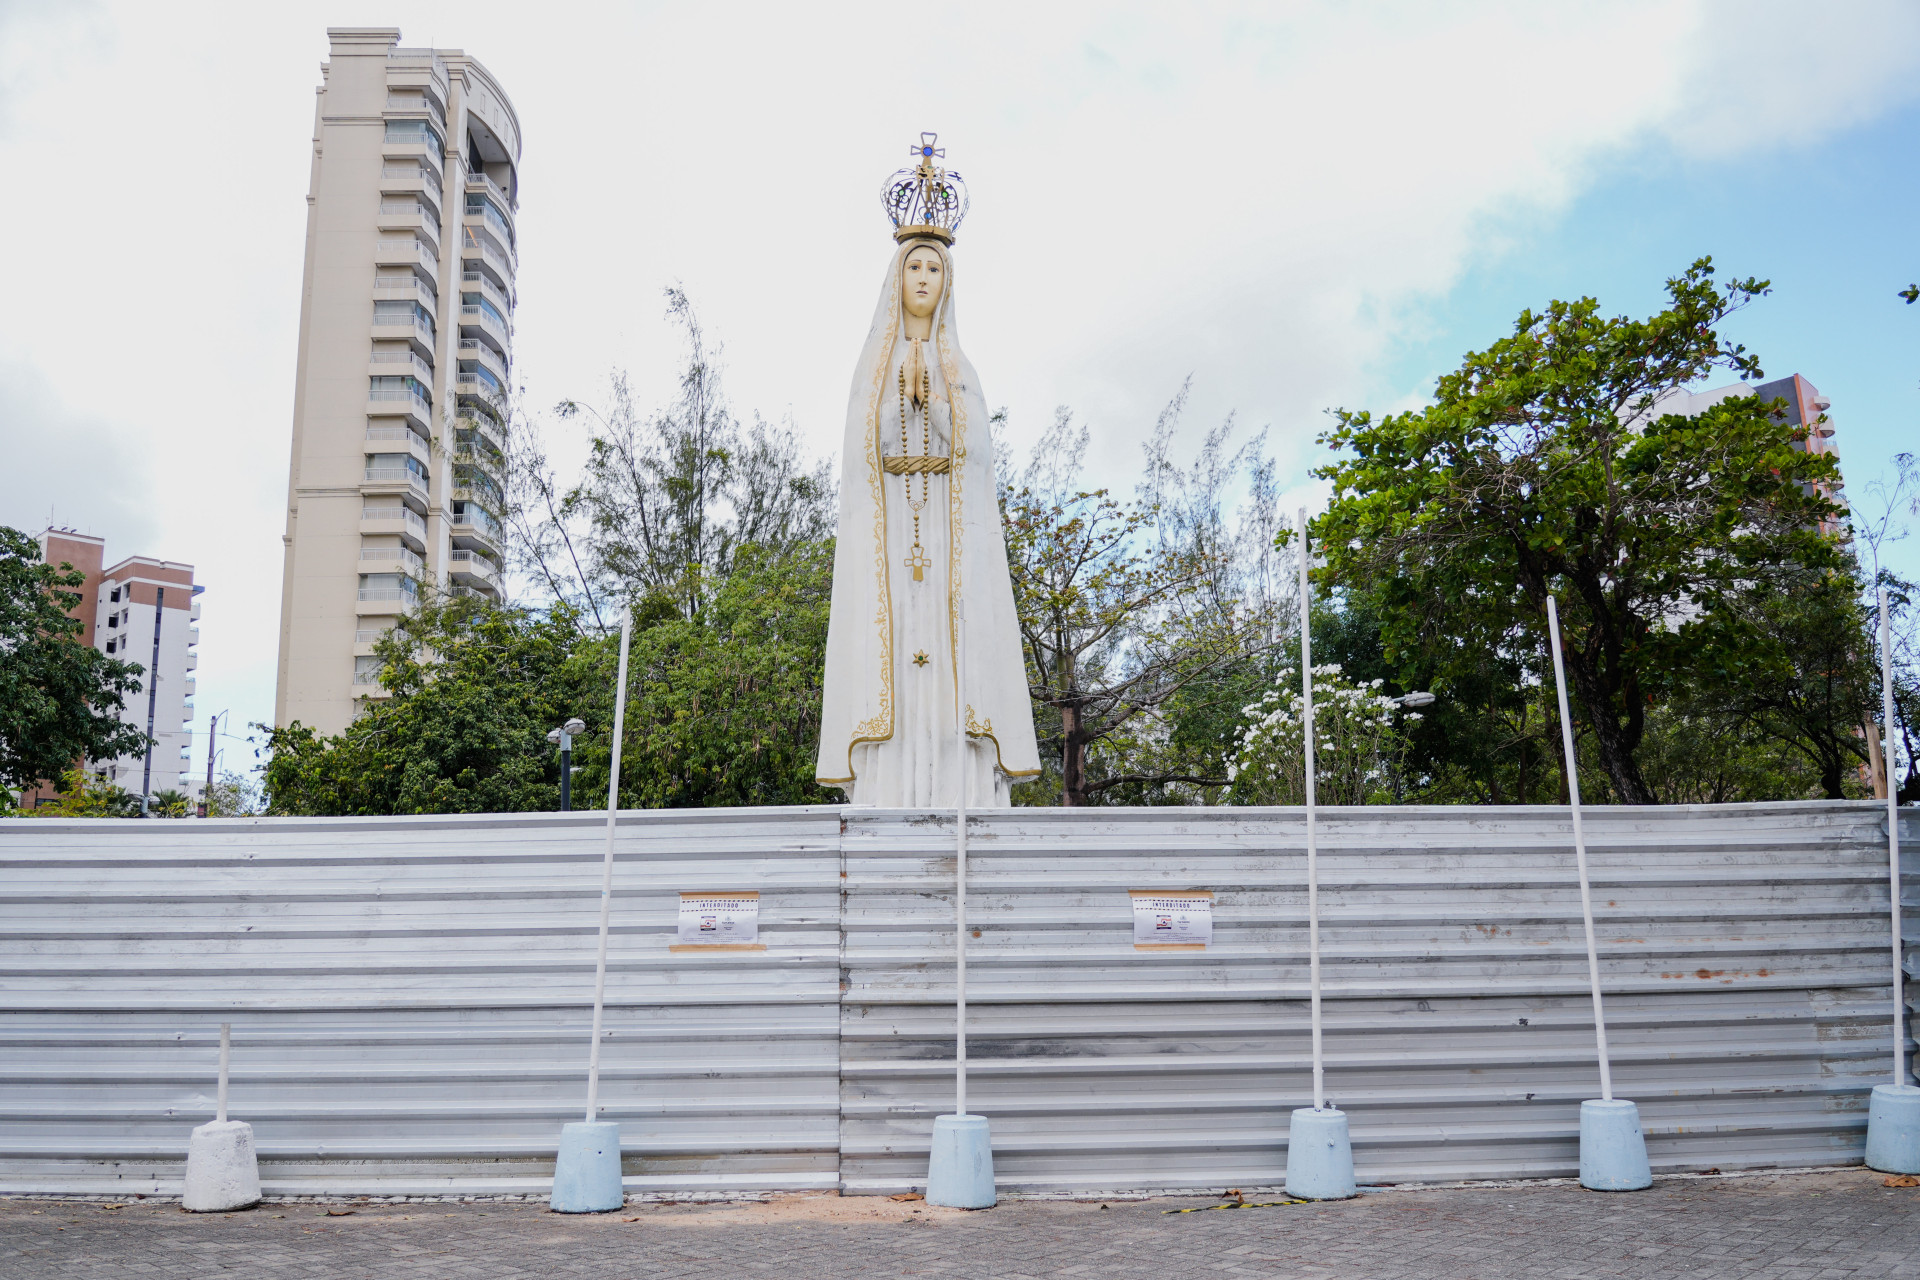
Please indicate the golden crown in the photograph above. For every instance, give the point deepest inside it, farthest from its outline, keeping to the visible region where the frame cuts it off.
(926, 200)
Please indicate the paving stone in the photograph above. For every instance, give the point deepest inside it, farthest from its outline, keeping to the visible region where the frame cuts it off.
(1826, 1226)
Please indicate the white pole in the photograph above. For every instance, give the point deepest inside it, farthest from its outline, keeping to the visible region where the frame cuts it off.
(1893, 834)
(1580, 854)
(960, 863)
(226, 1049)
(606, 870)
(1313, 848)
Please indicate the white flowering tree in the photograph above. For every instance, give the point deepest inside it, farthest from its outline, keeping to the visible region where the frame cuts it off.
(1358, 743)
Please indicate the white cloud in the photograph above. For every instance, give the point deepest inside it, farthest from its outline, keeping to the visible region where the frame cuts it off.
(1259, 195)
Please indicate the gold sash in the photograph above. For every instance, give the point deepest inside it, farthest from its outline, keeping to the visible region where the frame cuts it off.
(915, 464)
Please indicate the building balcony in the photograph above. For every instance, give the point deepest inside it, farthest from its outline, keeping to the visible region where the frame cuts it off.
(495, 220)
(364, 638)
(392, 559)
(471, 386)
(407, 288)
(474, 534)
(486, 354)
(404, 102)
(401, 404)
(416, 444)
(476, 318)
(382, 601)
(408, 329)
(393, 480)
(491, 291)
(472, 569)
(405, 251)
(421, 220)
(398, 520)
(403, 178)
(479, 248)
(479, 181)
(387, 364)
(415, 148)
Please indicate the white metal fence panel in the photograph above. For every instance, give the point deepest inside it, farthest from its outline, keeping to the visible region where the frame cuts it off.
(1744, 950)
(410, 999)
(410, 996)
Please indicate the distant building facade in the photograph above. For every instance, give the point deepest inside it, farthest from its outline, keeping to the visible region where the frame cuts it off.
(406, 344)
(144, 611)
(1793, 396)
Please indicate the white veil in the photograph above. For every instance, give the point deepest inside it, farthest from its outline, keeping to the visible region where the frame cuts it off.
(858, 695)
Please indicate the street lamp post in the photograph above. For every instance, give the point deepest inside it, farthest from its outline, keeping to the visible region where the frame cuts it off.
(563, 738)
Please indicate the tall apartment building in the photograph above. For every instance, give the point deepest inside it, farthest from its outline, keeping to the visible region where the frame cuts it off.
(146, 611)
(406, 343)
(1792, 396)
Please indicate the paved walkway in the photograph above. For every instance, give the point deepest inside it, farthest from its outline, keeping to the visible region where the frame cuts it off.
(1807, 1226)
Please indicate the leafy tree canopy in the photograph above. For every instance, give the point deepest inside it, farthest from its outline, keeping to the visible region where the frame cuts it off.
(1545, 465)
(474, 690)
(60, 697)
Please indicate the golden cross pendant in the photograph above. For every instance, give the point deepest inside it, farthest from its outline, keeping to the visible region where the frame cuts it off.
(919, 562)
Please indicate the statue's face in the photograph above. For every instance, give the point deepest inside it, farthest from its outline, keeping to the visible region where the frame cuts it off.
(924, 279)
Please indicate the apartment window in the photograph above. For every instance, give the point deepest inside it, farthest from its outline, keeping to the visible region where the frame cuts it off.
(111, 644)
(115, 598)
(414, 131)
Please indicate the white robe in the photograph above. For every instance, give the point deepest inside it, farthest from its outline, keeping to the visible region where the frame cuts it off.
(887, 720)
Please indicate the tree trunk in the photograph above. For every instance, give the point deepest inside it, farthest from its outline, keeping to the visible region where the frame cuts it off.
(1073, 757)
(1833, 769)
(1614, 741)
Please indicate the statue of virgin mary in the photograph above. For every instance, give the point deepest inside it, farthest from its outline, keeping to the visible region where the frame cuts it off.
(921, 555)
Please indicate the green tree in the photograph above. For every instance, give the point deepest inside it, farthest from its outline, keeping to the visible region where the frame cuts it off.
(87, 795)
(473, 689)
(60, 697)
(667, 499)
(1141, 641)
(168, 804)
(723, 708)
(1544, 466)
(234, 795)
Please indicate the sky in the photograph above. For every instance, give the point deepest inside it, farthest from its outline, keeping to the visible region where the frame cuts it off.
(1296, 206)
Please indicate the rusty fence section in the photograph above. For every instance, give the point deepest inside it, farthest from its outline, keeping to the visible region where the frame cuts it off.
(410, 996)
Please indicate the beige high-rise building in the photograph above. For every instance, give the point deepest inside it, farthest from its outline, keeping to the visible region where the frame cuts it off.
(406, 345)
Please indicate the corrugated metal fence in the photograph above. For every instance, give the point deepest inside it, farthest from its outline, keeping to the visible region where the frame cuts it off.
(409, 996)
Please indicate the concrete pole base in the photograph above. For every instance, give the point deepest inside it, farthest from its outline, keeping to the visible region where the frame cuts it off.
(586, 1177)
(1893, 1129)
(1319, 1156)
(960, 1168)
(1613, 1151)
(222, 1172)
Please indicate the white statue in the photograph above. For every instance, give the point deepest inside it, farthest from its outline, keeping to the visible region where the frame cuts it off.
(919, 535)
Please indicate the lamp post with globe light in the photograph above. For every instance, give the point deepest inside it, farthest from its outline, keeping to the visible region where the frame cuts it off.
(563, 738)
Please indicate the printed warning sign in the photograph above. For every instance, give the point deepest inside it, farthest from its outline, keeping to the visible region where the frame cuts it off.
(1172, 921)
(719, 922)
